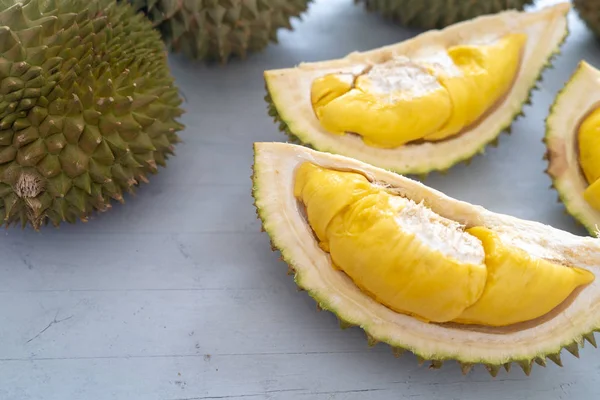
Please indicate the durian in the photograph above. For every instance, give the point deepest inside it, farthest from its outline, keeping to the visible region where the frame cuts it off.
(589, 12)
(573, 145)
(436, 14)
(218, 30)
(423, 104)
(424, 272)
(88, 108)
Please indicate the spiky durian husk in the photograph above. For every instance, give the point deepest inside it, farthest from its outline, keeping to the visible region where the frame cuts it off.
(589, 12)
(87, 107)
(436, 14)
(218, 30)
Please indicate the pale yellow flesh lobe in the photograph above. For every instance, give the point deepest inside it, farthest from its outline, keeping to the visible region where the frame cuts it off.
(519, 287)
(418, 263)
(589, 156)
(403, 100)
(592, 195)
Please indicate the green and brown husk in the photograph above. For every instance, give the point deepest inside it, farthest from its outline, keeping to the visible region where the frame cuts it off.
(217, 30)
(88, 108)
(437, 14)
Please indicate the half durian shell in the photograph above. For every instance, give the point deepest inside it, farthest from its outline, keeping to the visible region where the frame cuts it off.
(565, 327)
(288, 91)
(579, 96)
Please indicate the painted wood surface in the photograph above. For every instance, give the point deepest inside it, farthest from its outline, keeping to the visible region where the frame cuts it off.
(176, 295)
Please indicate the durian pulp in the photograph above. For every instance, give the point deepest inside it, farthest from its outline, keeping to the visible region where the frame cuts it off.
(403, 100)
(589, 156)
(419, 263)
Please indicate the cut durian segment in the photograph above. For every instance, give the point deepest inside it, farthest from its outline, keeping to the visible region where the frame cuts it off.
(435, 70)
(512, 246)
(573, 145)
(403, 100)
(416, 262)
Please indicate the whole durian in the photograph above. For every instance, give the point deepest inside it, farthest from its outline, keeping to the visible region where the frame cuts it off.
(87, 107)
(216, 30)
(437, 14)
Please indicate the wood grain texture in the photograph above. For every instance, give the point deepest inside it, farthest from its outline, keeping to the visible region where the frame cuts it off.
(176, 295)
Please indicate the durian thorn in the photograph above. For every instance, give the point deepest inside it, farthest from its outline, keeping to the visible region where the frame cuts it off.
(344, 324)
(492, 369)
(525, 366)
(465, 367)
(573, 348)
(118, 197)
(420, 360)
(398, 351)
(540, 361)
(371, 341)
(36, 222)
(507, 366)
(319, 308)
(290, 270)
(555, 358)
(590, 338)
(436, 364)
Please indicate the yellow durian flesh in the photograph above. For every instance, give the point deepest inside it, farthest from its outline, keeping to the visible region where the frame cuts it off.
(592, 195)
(519, 287)
(589, 156)
(403, 100)
(356, 222)
(418, 263)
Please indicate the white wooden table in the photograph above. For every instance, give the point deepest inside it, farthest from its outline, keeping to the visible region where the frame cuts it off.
(176, 295)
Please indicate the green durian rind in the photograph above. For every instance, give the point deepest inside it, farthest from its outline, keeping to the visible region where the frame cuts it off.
(589, 12)
(437, 14)
(292, 116)
(220, 30)
(281, 218)
(88, 108)
(578, 96)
